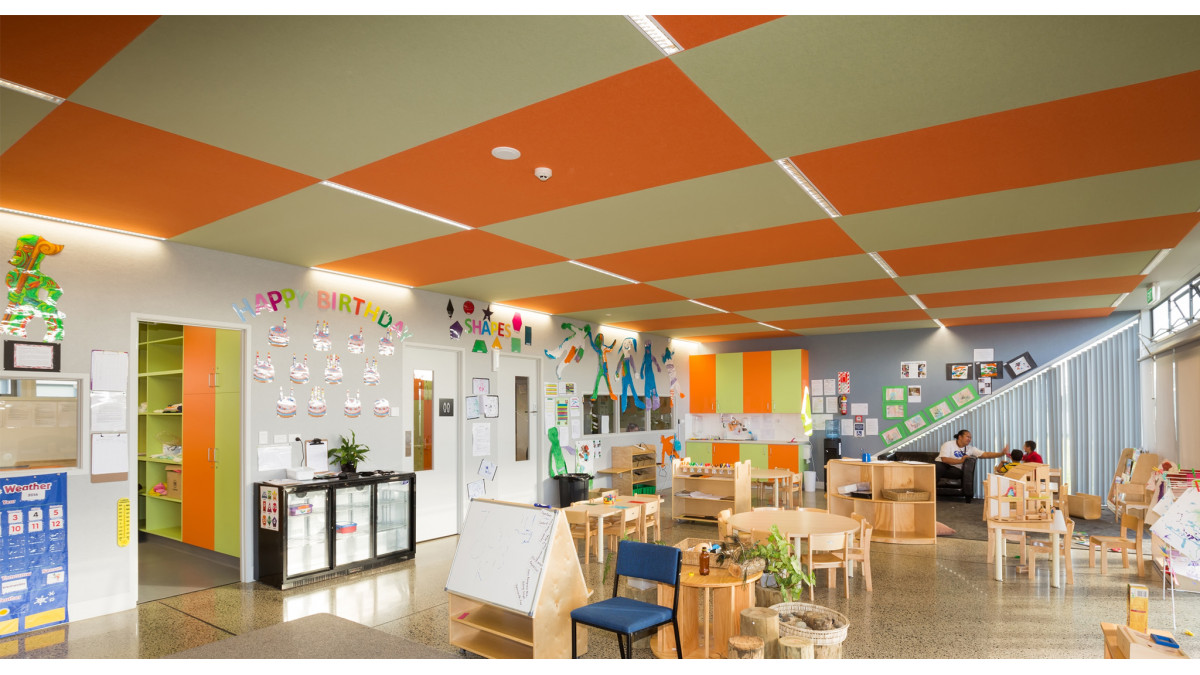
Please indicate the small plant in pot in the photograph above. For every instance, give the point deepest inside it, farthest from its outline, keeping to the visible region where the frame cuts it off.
(783, 565)
(349, 453)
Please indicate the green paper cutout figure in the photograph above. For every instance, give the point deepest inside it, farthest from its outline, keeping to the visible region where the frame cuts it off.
(479, 347)
(558, 465)
(25, 286)
(602, 351)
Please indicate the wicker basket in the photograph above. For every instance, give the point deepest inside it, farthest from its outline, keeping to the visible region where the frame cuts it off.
(905, 495)
(691, 552)
(818, 637)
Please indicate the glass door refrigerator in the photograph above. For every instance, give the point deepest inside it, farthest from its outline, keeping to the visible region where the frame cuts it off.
(394, 508)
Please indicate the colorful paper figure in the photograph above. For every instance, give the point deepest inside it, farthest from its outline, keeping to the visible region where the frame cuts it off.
(487, 313)
(321, 341)
(668, 360)
(263, 370)
(670, 448)
(286, 405)
(316, 403)
(625, 370)
(558, 465)
(602, 350)
(455, 330)
(382, 408)
(516, 322)
(278, 335)
(299, 372)
(353, 405)
(480, 347)
(355, 343)
(572, 352)
(26, 284)
(386, 346)
(651, 387)
(469, 307)
(333, 369)
(371, 373)
(449, 309)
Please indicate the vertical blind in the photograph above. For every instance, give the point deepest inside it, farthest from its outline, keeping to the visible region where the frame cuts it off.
(1082, 410)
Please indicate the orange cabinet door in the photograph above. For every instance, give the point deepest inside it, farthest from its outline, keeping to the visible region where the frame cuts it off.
(784, 457)
(199, 360)
(702, 376)
(725, 453)
(756, 382)
(199, 435)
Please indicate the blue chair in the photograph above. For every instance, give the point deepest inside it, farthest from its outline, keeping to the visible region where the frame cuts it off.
(627, 617)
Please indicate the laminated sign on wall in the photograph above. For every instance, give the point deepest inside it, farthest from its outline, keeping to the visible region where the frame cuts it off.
(33, 552)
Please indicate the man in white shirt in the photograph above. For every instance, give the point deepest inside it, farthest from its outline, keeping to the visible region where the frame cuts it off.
(956, 451)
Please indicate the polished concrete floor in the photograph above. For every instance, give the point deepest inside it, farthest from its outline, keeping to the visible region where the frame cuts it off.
(928, 602)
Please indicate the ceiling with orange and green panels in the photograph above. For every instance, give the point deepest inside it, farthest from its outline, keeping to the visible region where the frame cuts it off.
(973, 169)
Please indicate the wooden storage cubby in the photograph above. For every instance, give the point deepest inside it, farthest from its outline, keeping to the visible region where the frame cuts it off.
(894, 522)
(632, 465)
(732, 483)
(160, 384)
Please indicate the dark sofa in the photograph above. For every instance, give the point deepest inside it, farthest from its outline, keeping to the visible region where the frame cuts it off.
(950, 481)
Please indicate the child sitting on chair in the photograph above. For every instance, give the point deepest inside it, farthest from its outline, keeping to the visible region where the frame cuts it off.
(1016, 459)
(1031, 453)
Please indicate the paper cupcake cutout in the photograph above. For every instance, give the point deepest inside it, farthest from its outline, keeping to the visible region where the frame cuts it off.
(353, 405)
(355, 342)
(321, 341)
(371, 373)
(382, 408)
(333, 369)
(386, 346)
(299, 373)
(286, 405)
(278, 336)
(263, 370)
(316, 403)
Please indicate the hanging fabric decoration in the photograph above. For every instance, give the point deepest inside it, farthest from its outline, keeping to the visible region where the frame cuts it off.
(25, 286)
(651, 387)
(321, 341)
(333, 369)
(286, 405)
(299, 373)
(558, 465)
(353, 405)
(278, 336)
(625, 371)
(386, 346)
(263, 370)
(602, 350)
(316, 403)
(355, 343)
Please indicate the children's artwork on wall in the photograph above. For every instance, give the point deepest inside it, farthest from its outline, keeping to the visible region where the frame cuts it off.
(915, 423)
(386, 346)
(558, 465)
(940, 410)
(316, 402)
(914, 394)
(487, 313)
(371, 373)
(456, 330)
(893, 394)
(843, 382)
(964, 396)
(487, 469)
(449, 309)
(668, 360)
(911, 370)
(299, 371)
(481, 385)
(353, 407)
(894, 410)
(333, 369)
(959, 371)
(278, 335)
(285, 407)
(584, 457)
(321, 341)
(382, 408)
(355, 343)
(264, 370)
(26, 284)
(1020, 365)
(566, 352)
(989, 369)
(471, 406)
(649, 365)
(984, 386)
(625, 371)
(602, 351)
(892, 436)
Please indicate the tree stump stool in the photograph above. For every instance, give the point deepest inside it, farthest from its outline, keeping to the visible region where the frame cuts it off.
(745, 647)
(791, 647)
(762, 622)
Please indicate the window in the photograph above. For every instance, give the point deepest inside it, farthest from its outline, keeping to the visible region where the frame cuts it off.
(660, 417)
(423, 420)
(1177, 312)
(633, 418)
(597, 415)
(57, 389)
(39, 423)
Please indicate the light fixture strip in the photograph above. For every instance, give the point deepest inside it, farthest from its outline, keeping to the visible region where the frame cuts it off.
(597, 269)
(30, 91)
(361, 278)
(655, 33)
(82, 224)
(883, 263)
(1119, 300)
(918, 301)
(769, 325)
(1158, 257)
(397, 205)
(803, 181)
(697, 302)
(939, 323)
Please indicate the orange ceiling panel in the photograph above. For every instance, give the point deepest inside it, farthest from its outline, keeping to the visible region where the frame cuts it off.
(651, 325)
(1031, 316)
(757, 248)
(807, 295)
(1134, 127)
(459, 255)
(694, 30)
(632, 131)
(737, 336)
(596, 298)
(82, 164)
(1126, 236)
(56, 54)
(1047, 291)
(853, 319)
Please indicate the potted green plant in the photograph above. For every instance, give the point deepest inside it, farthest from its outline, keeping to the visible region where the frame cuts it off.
(783, 565)
(349, 453)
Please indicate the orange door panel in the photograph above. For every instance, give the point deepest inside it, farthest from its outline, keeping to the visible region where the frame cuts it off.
(702, 377)
(756, 382)
(784, 457)
(199, 360)
(199, 476)
(725, 453)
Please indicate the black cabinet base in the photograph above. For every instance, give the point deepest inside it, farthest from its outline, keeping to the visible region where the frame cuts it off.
(325, 575)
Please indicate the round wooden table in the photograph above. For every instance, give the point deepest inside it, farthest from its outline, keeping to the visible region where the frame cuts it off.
(776, 476)
(725, 594)
(792, 523)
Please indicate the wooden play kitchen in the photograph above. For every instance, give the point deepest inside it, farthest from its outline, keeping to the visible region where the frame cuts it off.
(899, 499)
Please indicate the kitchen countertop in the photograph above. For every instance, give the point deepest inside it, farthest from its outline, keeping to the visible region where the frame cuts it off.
(756, 442)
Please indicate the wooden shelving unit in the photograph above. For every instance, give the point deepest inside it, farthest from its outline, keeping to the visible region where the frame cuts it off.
(160, 383)
(732, 483)
(632, 465)
(894, 522)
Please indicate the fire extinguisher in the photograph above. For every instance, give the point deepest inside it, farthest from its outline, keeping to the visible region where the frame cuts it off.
(843, 404)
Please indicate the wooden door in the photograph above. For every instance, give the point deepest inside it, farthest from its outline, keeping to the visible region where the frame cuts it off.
(729, 383)
(702, 376)
(199, 348)
(789, 373)
(756, 382)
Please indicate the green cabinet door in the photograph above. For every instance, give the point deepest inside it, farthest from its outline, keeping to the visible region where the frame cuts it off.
(729, 383)
(700, 453)
(228, 365)
(787, 380)
(756, 453)
(227, 481)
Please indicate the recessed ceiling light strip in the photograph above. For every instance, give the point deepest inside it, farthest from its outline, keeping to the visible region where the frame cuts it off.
(362, 278)
(1119, 300)
(939, 323)
(76, 222)
(1155, 261)
(697, 302)
(918, 301)
(655, 33)
(883, 263)
(597, 269)
(803, 181)
(397, 205)
(769, 325)
(30, 91)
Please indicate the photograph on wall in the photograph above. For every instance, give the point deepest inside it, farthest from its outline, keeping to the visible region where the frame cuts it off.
(959, 371)
(1020, 365)
(911, 370)
(893, 393)
(843, 382)
(915, 423)
(914, 394)
(891, 436)
(964, 396)
(895, 410)
(989, 369)
(984, 386)
(940, 410)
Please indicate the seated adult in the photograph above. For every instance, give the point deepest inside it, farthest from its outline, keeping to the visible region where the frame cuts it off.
(956, 451)
(1031, 453)
(1005, 466)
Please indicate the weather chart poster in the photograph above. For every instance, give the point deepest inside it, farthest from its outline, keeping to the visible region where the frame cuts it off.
(33, 552)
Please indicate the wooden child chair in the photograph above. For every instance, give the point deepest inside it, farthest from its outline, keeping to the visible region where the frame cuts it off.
(650, 518)
(1042, 546)
(861, 551)
(583, 528)
(1101, 544)
(829, 552)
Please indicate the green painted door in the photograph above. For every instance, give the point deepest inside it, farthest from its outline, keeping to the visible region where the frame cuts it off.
(228, 476)
(229, 361)
(700, 453)
(787, 381)
(729, 383)
(757, 454)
